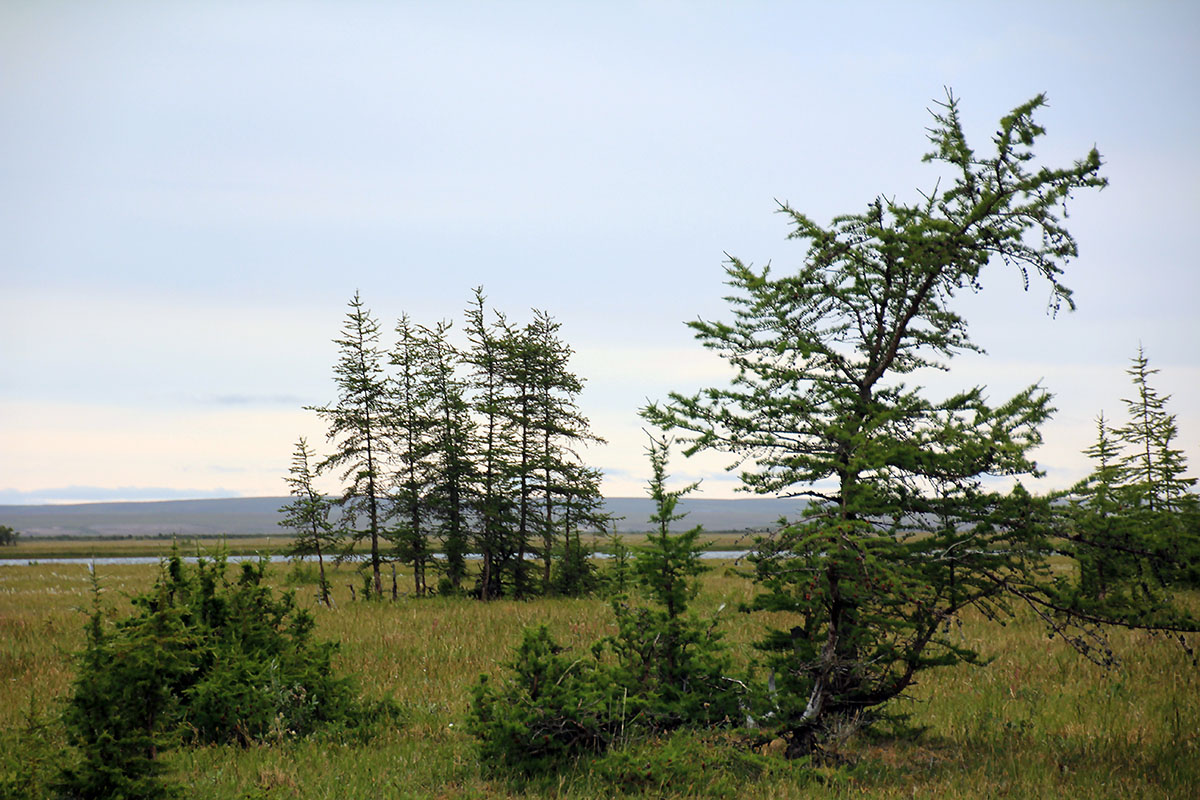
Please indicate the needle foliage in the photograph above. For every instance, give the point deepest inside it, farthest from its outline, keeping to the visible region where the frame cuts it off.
(907, 525)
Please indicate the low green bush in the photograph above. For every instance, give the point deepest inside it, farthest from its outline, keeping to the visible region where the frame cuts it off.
(200, 659)
(553, 708)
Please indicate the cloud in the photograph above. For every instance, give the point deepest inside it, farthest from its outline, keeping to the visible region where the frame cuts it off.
(82, 445)
(289, 400)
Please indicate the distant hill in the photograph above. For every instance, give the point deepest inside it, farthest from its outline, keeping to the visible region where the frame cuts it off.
(751, 513)
(242, 515)
(260, 515)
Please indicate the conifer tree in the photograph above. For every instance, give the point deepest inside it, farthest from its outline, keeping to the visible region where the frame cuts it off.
(669, 661)
(522, 367)
(413, 450)
(1105, 546)
(904, 529)
(487, 357)
(566, 487)
(580, 507)
(1136, 515)
(308, 515)
(451, 432)
(358, 427)
(1154, 467)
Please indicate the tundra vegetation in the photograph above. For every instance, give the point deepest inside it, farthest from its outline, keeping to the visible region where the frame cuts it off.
(928, 627)
(1037, 721)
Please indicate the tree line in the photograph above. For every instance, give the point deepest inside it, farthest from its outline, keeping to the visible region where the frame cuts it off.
(1136, 515)
(452, 450)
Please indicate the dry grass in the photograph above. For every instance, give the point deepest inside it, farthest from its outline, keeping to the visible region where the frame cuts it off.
(160, 546)
(151, 547)
(1037, 722)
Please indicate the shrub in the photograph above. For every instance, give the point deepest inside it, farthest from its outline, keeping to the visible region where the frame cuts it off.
(552, 708)
(575, 572)
(125, 700)
(199, 659)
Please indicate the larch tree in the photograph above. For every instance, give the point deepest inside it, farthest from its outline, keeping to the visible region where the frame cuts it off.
(413, 449)
(579, 505)
(308, 514)
(560, 430)
(1154, 467)
(905, 526)
(451, 434)
(1136, 517)
(488, 358)
(358, 429)
(523, 363)
(1104, 541)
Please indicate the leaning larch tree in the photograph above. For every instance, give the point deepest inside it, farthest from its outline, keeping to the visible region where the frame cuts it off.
(904, 529)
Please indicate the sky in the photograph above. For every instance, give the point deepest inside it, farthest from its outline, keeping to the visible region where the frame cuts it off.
(190, 194)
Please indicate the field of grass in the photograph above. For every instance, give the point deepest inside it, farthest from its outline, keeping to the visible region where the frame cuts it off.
(1037, 722)
(48, 548)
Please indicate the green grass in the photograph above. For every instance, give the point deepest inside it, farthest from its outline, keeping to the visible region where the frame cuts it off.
(48, 548)
(1037, 722)
(39, 548)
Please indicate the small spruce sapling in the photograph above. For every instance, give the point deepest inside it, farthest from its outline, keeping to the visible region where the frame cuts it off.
(124, 703)
(554, 706)
(669, 660)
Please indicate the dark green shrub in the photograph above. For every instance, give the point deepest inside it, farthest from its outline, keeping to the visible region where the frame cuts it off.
(199, 659)
(125, 702)
(29, 754)
(264, 676)
(553, 707)
(574, 571)
(674, 671)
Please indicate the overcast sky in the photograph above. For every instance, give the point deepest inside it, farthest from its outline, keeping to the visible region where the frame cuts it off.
(190, 193)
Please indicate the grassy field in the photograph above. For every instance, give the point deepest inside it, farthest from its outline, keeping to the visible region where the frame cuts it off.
(39, 548)
(1037, 722)
(48, 548)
